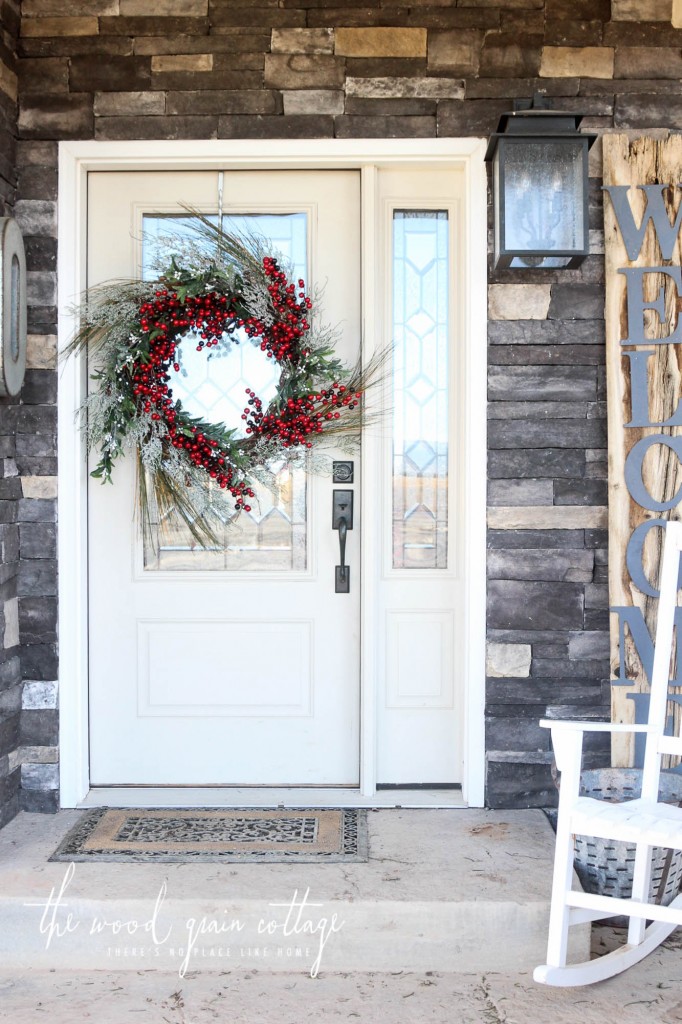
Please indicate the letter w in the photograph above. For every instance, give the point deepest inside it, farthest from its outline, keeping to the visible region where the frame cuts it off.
(655, 211)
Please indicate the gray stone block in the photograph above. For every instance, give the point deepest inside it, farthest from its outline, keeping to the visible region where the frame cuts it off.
(519, 785)
(9, 796)
(39, 694)
(547, 564)
(515, 733)
(352, 127)
(536, 539)
(37, 578)
(538, 410)
(39, 728)
(35, 419)
(558, 383)
(647, 110)
(540, 692)
(274, 127)
(536, 462)
(562, 434)
(38, 540)
(530, 605)
(39, 777)
(572, 331)
(567, 32)
(221, 101)
(37, 217)
(648, 62)
(9, 732)
(202, 127)
(61, 117)
(40, 387)
(519, 492)
(10, 670)
(557, 668)
(589, 645)
(469, 117)
(540, 355)
(580, 492)
(41, 254)
(39, 661)
(38, 620)
(576, 302)
(39, 802)
(37, 510)
(35, 446)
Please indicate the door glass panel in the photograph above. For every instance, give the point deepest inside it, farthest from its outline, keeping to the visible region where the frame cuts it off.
(420, 389)
(211, 385)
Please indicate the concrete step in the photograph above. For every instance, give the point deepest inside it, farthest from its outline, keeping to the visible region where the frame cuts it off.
(450, 890)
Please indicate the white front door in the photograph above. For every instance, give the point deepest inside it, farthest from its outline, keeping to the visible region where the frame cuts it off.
(237, 666)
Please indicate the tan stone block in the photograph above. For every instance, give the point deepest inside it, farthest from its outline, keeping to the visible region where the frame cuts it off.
(380, 42)
(164, 8)
(518, 301)
(548, 517)
(8, 82)
(59, 27)
(183, 62)
(41, 351)
(641, 10)
(302, 40)
(508, 660)
(677, 14)
(39, 486)
(577, 62)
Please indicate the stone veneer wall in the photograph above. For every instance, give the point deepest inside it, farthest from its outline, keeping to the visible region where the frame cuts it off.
(10, 484)
(106, 69)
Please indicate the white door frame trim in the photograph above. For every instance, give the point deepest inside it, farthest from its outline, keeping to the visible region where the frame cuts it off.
(76, 159)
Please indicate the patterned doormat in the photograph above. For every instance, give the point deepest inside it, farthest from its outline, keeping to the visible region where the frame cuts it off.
(244, 836)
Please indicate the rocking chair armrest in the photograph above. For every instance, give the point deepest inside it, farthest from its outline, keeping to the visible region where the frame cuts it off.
(567, 740)
(560, 723)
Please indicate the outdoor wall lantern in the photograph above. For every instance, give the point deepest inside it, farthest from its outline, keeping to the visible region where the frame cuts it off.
(540, 188)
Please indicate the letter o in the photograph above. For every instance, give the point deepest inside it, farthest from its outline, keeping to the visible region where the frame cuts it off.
(633, 472)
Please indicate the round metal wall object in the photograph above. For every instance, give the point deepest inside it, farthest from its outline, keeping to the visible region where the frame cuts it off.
(12, 307)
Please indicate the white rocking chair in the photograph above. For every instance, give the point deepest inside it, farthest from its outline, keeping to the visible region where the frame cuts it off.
(644, 823)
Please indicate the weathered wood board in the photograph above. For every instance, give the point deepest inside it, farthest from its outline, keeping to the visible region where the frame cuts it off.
(635, 162)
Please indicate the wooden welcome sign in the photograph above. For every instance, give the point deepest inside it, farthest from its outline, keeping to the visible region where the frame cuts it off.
(643, 240)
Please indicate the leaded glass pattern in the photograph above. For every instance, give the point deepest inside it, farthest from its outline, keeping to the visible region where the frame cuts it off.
(420, 389)
(273, 535)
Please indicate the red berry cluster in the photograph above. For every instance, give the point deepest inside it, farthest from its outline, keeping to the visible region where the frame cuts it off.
(299, 417)
(291, 324)
(166, 320)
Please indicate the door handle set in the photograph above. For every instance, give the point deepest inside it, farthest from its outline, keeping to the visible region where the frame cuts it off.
(342, 520)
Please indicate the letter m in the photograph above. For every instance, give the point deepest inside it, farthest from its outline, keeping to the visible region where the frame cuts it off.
(655, 211)
(633, 618)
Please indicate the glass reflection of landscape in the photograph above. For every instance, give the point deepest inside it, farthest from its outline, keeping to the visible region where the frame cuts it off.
(420, 389)
(273, 535)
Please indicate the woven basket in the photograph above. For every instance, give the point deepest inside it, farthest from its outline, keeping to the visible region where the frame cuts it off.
(606, 866)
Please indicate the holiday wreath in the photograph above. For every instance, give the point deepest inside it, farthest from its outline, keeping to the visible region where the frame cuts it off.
(135, 333)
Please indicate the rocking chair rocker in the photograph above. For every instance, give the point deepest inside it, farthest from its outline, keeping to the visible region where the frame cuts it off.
(644, 823)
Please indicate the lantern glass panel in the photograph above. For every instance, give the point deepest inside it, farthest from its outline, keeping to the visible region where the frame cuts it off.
(543, 196)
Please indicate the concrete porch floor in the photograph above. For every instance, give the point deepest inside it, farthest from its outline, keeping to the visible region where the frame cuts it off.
(444, 922)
